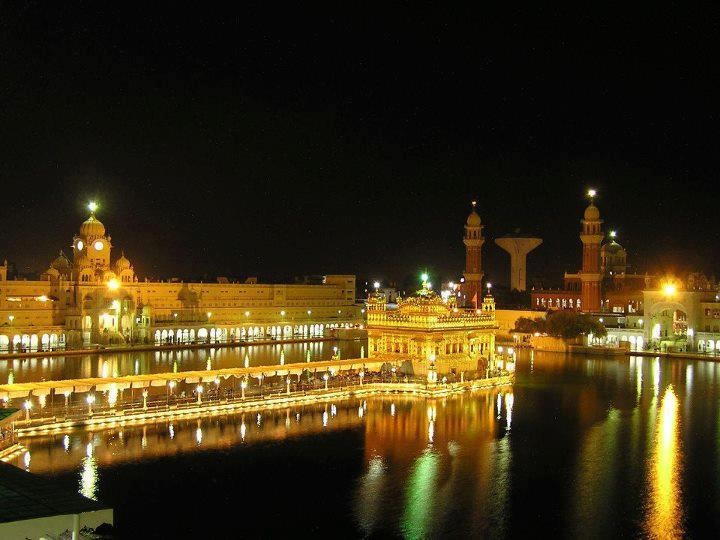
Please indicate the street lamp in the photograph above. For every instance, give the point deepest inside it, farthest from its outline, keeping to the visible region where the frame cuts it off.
(90, 400)
(325, 378)
(28, 406)
(362, 376)
(11, 318)
(376, 285)
(199, 390)
(287, 385)
(243, 386)
(145, 396)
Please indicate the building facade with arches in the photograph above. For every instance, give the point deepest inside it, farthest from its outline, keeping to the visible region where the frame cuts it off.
(88, 298)
(684, 315)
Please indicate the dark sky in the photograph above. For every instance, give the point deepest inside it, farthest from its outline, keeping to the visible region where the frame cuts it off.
(281, 142)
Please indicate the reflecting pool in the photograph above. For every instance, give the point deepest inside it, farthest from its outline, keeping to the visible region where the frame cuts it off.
(118, 364)
(579, 446)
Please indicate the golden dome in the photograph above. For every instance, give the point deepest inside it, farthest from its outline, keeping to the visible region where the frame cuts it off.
(592, 213)
(92, 227)
(61, 262)
(122, 264)
(473, 219)
(611, 247)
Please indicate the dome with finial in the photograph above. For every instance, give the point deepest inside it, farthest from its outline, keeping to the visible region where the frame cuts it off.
(612, 247)
(473, 219)
(61, 262)
(92, 227)
(122, 263)
(592, 213)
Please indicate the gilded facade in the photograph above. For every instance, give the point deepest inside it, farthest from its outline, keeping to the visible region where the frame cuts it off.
(426, 330)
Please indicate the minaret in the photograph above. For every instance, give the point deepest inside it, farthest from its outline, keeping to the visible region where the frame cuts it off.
(473, 274)
(591, 275)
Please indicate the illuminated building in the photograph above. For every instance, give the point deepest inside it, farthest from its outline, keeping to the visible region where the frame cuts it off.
(473, 240)
(683, 314)
(424, 330)
(93, 300)
(603, 285)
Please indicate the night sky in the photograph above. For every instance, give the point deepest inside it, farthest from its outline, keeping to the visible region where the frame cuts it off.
(283, 143)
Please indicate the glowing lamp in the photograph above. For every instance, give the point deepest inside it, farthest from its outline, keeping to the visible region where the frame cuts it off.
(592, 193)
(93, 206)
(113, 284)
(669, 289)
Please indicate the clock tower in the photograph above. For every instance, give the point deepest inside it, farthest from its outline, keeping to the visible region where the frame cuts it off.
(91, 249)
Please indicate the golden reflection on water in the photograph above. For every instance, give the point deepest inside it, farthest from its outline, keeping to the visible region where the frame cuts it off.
(664, 509)
(89, 474)
(420, 455)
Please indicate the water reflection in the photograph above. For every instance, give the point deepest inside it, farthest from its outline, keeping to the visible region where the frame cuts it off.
(579, 446)
(420, 496)
(110, 364)
(664, 519)
(89, 474)
(369, 495)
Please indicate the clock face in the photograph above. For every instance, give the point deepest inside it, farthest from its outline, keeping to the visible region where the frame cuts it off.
(80, 245)
(98, 245)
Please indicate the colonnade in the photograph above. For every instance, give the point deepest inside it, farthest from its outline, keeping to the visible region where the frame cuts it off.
(224, 334)
(46, 341)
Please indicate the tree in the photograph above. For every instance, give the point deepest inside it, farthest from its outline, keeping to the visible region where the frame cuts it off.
(526, 325)
(571, 324)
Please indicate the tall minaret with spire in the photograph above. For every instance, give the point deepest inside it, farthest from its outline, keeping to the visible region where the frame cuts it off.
(473, 240)
(591, 274)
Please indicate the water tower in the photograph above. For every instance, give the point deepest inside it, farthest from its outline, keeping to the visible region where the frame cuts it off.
(518, 246)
